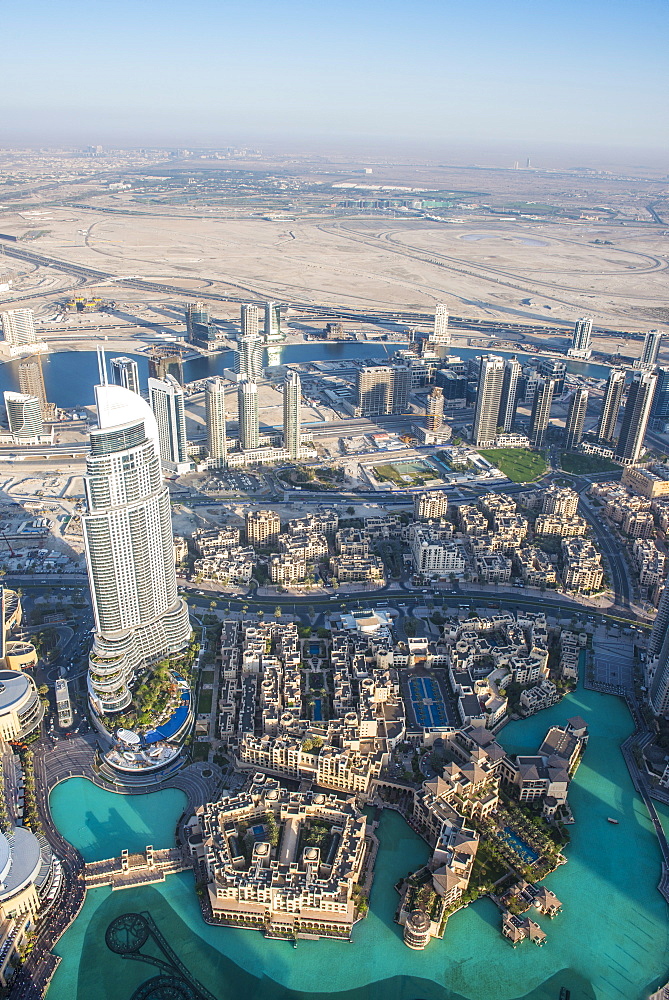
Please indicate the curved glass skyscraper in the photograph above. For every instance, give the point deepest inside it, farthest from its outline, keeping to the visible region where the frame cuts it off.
(139, 617)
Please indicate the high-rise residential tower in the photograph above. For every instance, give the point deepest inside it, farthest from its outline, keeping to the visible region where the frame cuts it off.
(541, 411)
(18, 327)
(249, 433)
(509, 400)
(382, 389)
(24, 416)
(124, 372)
(434, 410)
(488, 399)
(659, 413)
(31, 382)
(573, 431)
(250, 321)
(635, 417)
(581, 344)
(249, 356)
(651, 349)
(197, 314)
(217, 440)
(166, 361)
(613, 395)
(139, 617)
(272, 321)
(657, 658)
(292, 415)
(440, 334)
(166, 398)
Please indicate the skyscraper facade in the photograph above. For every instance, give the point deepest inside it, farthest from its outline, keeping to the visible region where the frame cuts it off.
(573, 432)
(581, 344)
(657, 658)
(18, 327)
(541, 411)
(272, 322)
(139, 617)
(249, 356)
(440, 333)
(292, 415)
(217, 440)
(613, 395)
(24, 416)
(31, 382)
(488, 400)
(434, 417)
(651, 349)
(166, 398)
(382, 389)
(249, 433)
(197, 314)
(509, 399)
(124, 372)
(250, 321)
(659, 413)
(635, 417)
(166, 361)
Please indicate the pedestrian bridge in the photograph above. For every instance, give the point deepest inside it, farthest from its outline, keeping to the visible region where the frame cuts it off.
(130, 870)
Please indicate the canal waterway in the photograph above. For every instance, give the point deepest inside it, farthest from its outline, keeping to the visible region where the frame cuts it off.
(69, 376)
(609, 943)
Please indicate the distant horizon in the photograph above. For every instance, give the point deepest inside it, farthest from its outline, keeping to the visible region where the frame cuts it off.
(438, 74)
(465, 154)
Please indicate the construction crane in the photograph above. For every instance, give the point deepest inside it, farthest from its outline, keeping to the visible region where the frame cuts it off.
(13, 553)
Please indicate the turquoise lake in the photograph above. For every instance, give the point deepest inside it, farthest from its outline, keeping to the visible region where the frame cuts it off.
(609, 943)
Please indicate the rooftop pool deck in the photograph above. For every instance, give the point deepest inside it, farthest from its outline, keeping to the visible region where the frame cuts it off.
(609, 943)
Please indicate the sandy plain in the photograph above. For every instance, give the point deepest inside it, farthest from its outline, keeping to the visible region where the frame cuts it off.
(524, 271)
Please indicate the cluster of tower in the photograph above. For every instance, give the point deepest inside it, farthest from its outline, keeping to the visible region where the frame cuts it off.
(496, 403)
(497, 398)
(28, 409)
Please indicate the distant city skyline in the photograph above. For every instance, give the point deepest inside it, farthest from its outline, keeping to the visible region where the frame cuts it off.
(520, 75)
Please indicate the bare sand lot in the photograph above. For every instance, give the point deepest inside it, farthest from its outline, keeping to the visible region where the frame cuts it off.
(525, 270)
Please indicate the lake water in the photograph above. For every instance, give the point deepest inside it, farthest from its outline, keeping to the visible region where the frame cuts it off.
(69, 376)
(101, 824)
(609, 943)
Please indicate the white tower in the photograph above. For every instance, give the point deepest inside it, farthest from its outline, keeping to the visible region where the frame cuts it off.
(217, 441)
(249, 434)
(651, 349)
(488, 400)
(581, 343)
(139, 617)
(249, 357)
(440, 333)
(18, 327)
(250, 323)
(166, 398)
(124, 371)
(292, 418)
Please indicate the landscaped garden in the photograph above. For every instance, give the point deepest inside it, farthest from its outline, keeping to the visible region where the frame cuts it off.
(584, 465)
(520, 465)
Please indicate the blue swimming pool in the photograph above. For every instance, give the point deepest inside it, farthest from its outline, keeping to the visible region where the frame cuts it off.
(526, 852)
(318, 710)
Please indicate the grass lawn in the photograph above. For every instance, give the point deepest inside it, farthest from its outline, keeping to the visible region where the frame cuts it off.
(583, 465)
(204, 702)
(518, 464)
(201, 750)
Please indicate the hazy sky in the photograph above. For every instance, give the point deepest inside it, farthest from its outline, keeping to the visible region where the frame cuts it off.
(576, 71)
